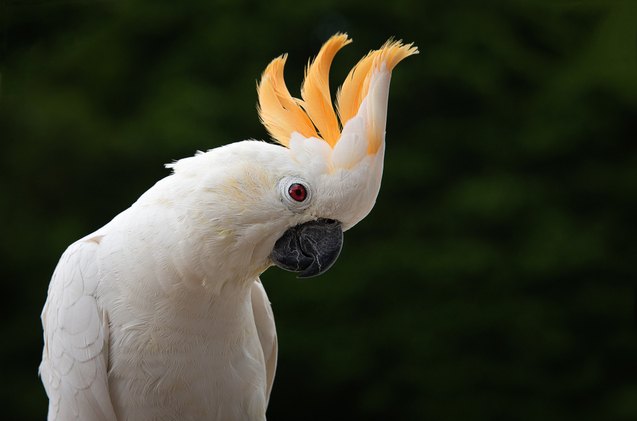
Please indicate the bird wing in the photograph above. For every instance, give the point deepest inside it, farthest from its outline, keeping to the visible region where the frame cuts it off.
(264, 320)
(75, 361)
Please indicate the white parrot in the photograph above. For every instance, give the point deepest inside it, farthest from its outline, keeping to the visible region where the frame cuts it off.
(160, 314)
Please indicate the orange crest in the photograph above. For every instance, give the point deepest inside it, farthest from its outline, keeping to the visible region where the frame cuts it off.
(314, 114)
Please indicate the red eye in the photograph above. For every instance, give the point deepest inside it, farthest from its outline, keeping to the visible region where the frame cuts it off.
(297, 192)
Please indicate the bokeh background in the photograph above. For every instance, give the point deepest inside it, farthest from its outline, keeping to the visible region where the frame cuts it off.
(494, 279)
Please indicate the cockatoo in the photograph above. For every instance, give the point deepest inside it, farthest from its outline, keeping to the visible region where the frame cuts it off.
(160, 314)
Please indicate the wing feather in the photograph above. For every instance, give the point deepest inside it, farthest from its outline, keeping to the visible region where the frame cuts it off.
(264, 320)
(74, 361)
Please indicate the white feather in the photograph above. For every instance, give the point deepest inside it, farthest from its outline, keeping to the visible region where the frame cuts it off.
(189, 333)
(160, 314)
(74, 364)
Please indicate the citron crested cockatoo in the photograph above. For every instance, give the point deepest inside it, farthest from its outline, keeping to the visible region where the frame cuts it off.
(160, 314)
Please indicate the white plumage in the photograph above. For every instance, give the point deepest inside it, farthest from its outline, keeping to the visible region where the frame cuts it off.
(160, 314)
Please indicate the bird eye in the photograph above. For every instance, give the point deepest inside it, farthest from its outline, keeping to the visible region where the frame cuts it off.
(297, 192)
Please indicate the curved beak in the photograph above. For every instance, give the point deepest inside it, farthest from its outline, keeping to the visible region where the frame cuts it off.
(310, 248)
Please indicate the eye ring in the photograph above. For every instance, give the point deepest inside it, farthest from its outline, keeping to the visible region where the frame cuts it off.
(296, 193)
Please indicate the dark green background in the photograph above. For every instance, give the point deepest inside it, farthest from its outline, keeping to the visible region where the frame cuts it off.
(492, 281)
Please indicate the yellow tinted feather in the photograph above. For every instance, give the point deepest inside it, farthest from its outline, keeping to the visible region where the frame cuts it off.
(393, 52)
(278, 110)
(356, 85)
(354, 89)
(315, 91)
(314, 115)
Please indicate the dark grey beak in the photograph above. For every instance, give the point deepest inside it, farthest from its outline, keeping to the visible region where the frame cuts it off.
(310, 248)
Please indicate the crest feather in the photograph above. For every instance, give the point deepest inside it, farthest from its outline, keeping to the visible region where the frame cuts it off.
(314, 115)
(315, 91)
(356, 86)
(279, 112)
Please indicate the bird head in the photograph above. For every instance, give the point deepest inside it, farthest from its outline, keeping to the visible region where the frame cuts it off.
(338, 152)
(289, 202)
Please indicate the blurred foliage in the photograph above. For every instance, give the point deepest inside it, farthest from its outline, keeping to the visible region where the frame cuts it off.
(494, 279)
